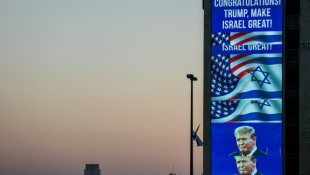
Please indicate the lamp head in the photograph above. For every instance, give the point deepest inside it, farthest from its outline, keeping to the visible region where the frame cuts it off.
(191, 77)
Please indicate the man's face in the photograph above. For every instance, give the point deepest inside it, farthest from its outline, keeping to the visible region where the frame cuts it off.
(245, 165)
(245, 143)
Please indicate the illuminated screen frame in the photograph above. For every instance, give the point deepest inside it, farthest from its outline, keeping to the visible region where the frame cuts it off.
(246, 86)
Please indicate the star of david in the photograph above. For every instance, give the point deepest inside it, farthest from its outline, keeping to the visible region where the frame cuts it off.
(261, 105)
(259, 74)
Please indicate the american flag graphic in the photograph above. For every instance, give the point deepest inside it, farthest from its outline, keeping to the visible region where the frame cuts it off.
(246, 38)
(254, 111)
(246, 76)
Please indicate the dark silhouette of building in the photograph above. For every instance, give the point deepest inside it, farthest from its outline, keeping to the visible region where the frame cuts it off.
(296, 86)
(92, 169)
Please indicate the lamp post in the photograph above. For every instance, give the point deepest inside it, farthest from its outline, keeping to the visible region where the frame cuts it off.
(192, 78)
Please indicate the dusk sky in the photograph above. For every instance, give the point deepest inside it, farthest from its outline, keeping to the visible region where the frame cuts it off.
(99, 81)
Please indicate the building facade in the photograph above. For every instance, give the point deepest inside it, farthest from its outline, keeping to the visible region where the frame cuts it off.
(92, 169)
(295, 86)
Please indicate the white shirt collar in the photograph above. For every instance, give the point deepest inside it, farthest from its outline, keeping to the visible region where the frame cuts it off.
(252, 152)
(255, 171)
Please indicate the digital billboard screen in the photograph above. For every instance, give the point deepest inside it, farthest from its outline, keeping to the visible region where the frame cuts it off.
(246, 87)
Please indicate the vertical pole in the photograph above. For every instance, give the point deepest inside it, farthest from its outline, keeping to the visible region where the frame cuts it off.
(191, 154)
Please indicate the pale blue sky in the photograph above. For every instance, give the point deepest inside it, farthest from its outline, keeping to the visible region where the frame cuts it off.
(100, 81)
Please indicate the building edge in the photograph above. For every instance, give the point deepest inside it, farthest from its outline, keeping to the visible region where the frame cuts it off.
(304, 90)
(207, 85)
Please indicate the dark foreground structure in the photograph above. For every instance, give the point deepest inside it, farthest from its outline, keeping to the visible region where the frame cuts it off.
(295, 150)
(92, 169)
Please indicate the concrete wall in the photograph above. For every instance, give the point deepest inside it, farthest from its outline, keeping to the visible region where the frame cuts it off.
(304, 90)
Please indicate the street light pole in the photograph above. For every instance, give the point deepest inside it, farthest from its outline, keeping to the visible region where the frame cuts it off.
(192, 78)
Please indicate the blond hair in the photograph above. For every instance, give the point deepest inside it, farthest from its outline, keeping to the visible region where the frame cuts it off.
(252, 158)
(245, 130)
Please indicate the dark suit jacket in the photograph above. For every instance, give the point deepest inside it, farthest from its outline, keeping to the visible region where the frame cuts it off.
(257, 173)
(258, 152)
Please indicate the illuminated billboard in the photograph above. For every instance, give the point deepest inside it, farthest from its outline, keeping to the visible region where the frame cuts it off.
(246, 87)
